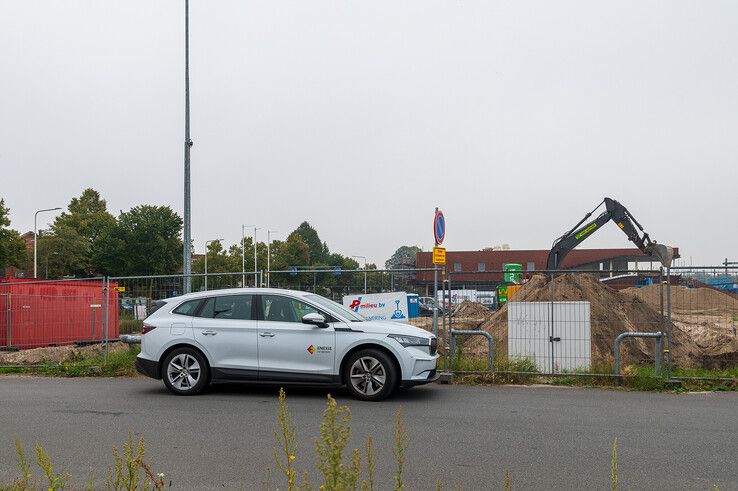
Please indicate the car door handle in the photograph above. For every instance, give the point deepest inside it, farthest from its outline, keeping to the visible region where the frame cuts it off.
(266, 334)
(209, 333)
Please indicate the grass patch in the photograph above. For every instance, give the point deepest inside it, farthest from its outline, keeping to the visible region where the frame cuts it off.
(129, 326)
(118, 364)
(634, 377)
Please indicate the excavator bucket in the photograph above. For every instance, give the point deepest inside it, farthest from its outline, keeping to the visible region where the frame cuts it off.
(662, 252)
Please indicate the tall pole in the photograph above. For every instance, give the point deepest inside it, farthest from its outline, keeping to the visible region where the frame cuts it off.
(243, 255)
(243, 258)
(187, 232)
(435, 293)
(35, 238)
(256, 277)
(269, 253)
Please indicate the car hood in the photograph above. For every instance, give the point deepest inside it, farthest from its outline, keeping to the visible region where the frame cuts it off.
(390, 327)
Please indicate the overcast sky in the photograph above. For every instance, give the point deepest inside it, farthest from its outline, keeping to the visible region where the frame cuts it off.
(514, 117)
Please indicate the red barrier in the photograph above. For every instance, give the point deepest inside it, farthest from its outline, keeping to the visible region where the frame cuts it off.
(34, 314)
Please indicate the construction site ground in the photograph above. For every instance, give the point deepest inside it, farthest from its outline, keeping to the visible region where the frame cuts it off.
(704, 321)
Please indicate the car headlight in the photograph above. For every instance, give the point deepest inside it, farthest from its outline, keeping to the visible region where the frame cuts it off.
(406, 340)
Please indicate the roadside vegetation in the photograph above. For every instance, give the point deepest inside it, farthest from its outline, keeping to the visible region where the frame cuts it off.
(474, 370)
(467, 370)
(336, 467)
(118, 364)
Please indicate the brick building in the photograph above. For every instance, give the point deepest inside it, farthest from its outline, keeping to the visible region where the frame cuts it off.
(486, 266)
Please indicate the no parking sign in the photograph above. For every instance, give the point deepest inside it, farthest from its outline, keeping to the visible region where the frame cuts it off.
(439, 227)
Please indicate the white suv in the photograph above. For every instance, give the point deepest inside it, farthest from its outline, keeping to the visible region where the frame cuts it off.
(281, 337)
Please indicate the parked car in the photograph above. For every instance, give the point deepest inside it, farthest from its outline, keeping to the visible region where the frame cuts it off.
(281, 337)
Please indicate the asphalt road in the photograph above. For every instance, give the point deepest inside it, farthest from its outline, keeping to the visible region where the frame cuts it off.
(548, 438)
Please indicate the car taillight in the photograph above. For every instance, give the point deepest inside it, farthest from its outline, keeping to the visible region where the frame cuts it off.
(147, 328)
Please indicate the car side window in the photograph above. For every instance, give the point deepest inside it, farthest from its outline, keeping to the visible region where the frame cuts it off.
(235, 307)
(187, 308)
(277, 308)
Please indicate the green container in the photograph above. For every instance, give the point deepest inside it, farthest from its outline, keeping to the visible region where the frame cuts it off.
(513, 272)
(502, 295)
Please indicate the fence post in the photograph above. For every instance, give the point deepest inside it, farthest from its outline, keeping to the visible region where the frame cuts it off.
(9, 320)
(445, 338)
(435, 304)
(106, 316)
(668, 321)
(552, 324)
(447, 310)
(661, 317)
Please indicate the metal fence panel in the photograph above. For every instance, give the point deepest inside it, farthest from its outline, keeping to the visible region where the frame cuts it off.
(44, 313)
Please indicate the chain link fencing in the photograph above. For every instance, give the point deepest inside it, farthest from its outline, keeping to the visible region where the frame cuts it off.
(680, 322)
(52, 313)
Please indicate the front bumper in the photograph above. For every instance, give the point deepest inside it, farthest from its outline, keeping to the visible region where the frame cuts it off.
(430, 376)
(150, 368)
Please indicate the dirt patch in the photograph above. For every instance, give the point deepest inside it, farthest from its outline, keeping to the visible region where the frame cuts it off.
(56, 354)
(471, 310)
(709, 317)
(611, 313)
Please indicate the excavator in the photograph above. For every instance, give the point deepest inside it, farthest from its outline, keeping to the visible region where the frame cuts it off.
(621, 216)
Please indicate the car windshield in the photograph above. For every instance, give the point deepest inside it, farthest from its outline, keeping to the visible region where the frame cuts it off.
(336, 308)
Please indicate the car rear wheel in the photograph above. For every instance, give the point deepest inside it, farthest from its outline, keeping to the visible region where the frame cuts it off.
(370, 375)
(185, 371)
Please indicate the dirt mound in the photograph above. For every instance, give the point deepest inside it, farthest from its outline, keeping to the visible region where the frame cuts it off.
(474, 310)
(56, 354)
(611, 313)
(710, 318)
(688, 299)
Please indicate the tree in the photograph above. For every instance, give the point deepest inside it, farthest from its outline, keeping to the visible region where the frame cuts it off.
(87, 215)
(12, 247)
(145, 240)
(404, 257)
(63, 252)
(67, 248)
(318, 250)
(292, 252)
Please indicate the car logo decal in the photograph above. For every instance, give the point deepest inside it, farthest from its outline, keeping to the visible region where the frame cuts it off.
(311, 349)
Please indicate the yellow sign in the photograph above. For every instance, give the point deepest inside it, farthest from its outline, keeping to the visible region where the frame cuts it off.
(439, 256)
(120, 289)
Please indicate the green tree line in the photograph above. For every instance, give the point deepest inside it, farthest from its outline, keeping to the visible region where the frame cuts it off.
(87, 240)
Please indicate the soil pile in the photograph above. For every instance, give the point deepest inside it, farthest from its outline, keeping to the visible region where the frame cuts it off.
(611, 313)
(710, 317)
(471, 310)
(56, 354)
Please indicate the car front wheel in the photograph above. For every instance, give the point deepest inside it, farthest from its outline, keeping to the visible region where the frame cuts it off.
(185, 371)
(370, 375)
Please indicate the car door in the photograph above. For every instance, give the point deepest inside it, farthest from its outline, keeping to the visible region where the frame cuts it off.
(290, 351)
(226, 327)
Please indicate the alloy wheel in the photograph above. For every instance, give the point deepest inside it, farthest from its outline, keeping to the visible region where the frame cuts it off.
(183, 371)
(368, 375)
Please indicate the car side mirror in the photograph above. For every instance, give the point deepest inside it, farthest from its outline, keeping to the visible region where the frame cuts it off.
(314, 319)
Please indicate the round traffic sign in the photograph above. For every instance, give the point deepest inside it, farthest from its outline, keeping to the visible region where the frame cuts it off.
(439, 227)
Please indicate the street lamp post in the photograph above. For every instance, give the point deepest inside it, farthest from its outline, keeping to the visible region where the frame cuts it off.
(187, 229)
(35, 238)
(206, 260)
(256, 275)
(269, 254)
(243, 256)
(364, 258)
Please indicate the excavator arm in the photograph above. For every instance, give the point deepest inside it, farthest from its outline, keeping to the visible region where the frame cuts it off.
(628, 224)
